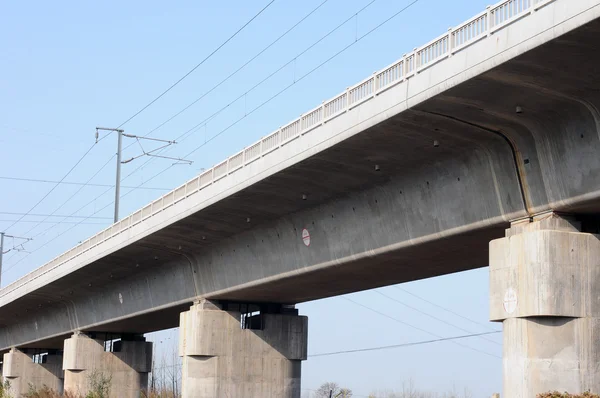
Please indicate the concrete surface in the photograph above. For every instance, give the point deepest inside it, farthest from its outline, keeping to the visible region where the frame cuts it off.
(220, 359)
(544, 287)
(428, 211)
(86, 362)
(22, 373)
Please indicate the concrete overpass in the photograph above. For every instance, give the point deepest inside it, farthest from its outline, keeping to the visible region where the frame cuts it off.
(408, 174)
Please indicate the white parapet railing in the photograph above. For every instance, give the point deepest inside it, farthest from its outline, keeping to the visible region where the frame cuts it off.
(456, 39)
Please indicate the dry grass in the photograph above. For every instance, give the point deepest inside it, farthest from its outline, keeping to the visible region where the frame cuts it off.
(557, 394)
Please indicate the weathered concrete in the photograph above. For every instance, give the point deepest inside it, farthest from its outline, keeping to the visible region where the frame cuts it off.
(544, 287)
(220, 359)
(22, 373)
(515, 116)
(127, 367)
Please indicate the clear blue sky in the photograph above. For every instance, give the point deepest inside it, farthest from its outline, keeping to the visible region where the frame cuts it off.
(68, 67)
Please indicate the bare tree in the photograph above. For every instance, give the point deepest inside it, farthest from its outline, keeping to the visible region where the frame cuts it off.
(334, 390)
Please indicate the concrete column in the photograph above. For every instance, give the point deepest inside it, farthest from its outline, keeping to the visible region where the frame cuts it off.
(126, 368)
(21, 372)
(220, 359)
(545, 288)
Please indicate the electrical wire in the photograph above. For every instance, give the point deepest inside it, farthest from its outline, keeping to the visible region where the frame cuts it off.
(77, 183)
(416, 327)
(239, 69)
(55, 222)
(411, 344)
(256, 108)
(432, 316)
(198, 65)
(285, 88)
(258, 84)
(161, 95)
(53, 188)
(445, 309)
(70, 197)
(55, 215)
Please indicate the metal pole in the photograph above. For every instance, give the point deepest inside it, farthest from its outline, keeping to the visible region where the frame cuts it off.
(1, 253)
(118, 183)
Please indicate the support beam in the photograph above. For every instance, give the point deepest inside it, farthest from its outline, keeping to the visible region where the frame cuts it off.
(544, 287)
(126, 368)
(22, 373)
(222, 359)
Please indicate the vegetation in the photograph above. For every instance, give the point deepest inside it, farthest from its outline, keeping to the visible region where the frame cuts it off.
(4, 390)
(557, 394)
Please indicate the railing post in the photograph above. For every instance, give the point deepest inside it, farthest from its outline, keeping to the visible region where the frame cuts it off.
(347, 99)
(261, 148)
(450, 42)
(404, 67)
(490, 23)
(416, 60)
(374, 84)
(532, 5)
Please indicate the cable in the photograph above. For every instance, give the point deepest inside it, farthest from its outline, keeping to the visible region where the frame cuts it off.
(160, 96)
(415, 327)
(388, 347)
(292, 84)
(55, 215)
(163, 93)
(238, 69)
(69, 198)
(197, 65)
(258, 84)
(261, 105)
(284, 89)
(445, 309)
(432, 316)
(76, 183)
(55, 222)
(53, 188)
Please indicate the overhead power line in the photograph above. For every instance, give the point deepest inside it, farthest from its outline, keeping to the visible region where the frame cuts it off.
(255, 109)
(445, 309)
(255, 86)
(431, 316)
(240, 68)
(76, 183)
(53, 215)
(53, 188)
(57, 222)
(416, 327)
(389, 347)
(186, 134)
(162, 94)
(197, 65)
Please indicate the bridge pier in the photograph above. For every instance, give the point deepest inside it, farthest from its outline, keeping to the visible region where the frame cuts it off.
(21, 371)
(544, 287)
(230, 353)
(125, 364)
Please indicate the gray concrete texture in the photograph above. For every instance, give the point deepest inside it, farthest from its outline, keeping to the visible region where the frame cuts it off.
(86, 362)
(220, 359)
(428, 211)
(22, 373)
(544, 285)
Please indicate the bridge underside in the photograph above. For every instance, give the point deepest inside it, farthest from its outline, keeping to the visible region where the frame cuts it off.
(417, 195)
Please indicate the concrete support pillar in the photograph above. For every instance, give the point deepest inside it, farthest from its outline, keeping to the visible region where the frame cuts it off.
(545, 288)
(22, 372)
(87, 364)
(221, 359)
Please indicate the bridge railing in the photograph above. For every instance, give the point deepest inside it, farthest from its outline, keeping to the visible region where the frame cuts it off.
(456, 39)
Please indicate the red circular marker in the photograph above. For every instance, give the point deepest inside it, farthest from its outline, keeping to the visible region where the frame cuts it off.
(306, 237)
